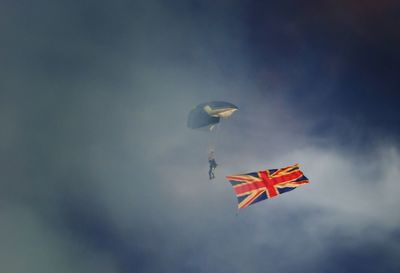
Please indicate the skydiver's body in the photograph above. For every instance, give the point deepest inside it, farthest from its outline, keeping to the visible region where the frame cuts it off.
(213, 165)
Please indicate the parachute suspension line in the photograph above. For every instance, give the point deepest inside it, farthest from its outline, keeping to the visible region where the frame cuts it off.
(217, 134)
(213, 138)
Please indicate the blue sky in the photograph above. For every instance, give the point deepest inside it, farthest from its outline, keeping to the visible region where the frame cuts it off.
(100, 173)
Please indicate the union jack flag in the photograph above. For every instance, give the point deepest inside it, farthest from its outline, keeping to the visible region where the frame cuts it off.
(253, 187)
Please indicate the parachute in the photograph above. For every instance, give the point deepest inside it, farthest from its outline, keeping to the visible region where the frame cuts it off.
(207, 115)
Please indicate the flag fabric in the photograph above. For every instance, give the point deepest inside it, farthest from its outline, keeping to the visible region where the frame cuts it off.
(254, 187)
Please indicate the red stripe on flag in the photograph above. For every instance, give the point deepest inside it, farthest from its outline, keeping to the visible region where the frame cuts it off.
(269, 184)
(286, 177)
(249, 186)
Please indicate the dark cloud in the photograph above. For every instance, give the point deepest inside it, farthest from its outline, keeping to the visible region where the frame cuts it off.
(335, 59)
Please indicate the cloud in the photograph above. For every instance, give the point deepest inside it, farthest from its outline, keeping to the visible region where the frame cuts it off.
(100, 173)
(30, 244)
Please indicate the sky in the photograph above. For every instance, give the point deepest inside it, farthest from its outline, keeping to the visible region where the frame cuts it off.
(99, 172)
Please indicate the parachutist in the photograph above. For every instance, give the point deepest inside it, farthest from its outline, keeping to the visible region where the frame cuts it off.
(206, 116)
(213, 165)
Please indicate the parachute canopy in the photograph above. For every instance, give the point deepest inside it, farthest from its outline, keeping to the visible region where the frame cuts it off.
(210, 113)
